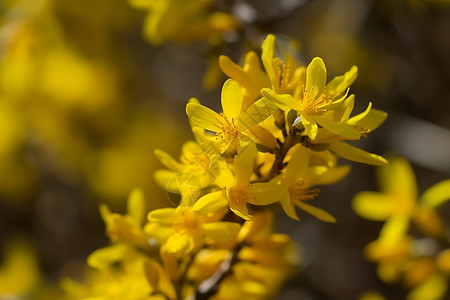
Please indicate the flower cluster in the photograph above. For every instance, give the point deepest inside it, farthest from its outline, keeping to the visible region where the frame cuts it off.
(412, 246)
(277, 138)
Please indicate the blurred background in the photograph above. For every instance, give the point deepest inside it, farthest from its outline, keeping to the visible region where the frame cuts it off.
(88, 91)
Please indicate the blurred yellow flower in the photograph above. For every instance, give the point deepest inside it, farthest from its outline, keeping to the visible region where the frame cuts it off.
(183, 20)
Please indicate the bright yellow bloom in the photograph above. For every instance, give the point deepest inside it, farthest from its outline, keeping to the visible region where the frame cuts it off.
(236, 190)
(312, 100)
(188, 176)
(183, 20)
(127, 228)
(398, 198)
(182, 231)
(297, 181)
(229, 127)
(264, 262)
(122, 273)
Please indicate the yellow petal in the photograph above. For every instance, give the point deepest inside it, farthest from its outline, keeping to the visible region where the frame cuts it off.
(241, 210)
(316, 212)
(334, 175)
(311, 127)
(284, 101)
(297, 164)
(256, 113)
(151, 272)
(203, 117)
(429, 222)
(354, 154)
(316, 76)
(264, 193)
(210, 203)
(340, 84)
(360, 116)
(243, 163)
(398, 179)
(432, 289)
(104, 257)
(168, 161)
(370, 121)
(167, 180)
(342, 129)
(158, 232)
(231, 99)
(394, 230)
(373, 206)
(162, 215)
(288, 206)
(136, 206)
(437, 194)
(267, 56)
(221, 231)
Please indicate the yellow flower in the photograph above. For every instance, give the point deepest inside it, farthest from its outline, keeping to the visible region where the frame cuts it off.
(263, 264)
(183, 20)
(182, 231)
(127, 228)
(364, 123)
(188, 176)
(229, 126)
(298, 179)
(122, 272)
(398, 198)
(236, 189)
(313, 99)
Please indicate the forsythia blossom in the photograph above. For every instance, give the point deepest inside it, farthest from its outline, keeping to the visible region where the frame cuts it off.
(420, 261)
(274, 141)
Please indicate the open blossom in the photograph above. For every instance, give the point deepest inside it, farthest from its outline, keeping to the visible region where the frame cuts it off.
(236, 190)
(229, 127)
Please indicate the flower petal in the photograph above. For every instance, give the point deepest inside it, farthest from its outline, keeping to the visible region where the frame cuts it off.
(244, 162)
(398, 179)
(288, 206)
(210, 203)
(437, 194)
(168, 161)
(221, 231)
(342, 129)
(203, 117)
(136, 206)
(316, 76)
(371, 121)
(264, 193)
(241, 210)
(231, 99)
(297, 164)
(267, 56)
(104, 257)
(311, 127)
(355, 154)
(316, 212)
(339, 84)
(162, 215)
(284, 101)
(373, 206)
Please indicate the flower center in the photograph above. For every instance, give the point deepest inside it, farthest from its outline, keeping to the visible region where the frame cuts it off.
(298, 191)
(227, 128)
(238, 194)
(314, 104)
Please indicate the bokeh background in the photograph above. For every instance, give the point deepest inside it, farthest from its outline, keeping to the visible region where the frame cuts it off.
(86, 97)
